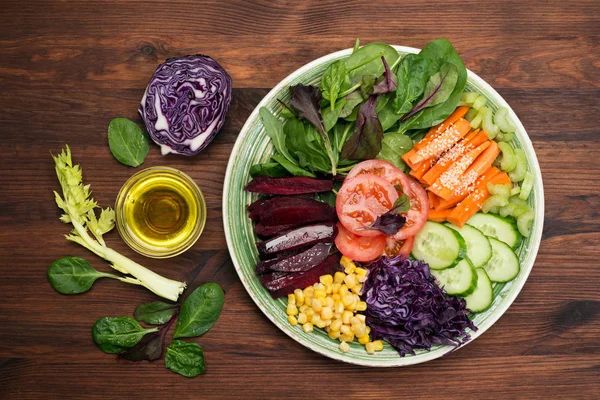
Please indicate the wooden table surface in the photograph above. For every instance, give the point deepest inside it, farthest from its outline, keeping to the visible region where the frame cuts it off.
(68, 67)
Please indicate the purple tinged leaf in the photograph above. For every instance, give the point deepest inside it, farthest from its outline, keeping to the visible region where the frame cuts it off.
(392, 221)
(151, 346)
(305, 100)
(365, 142)
(388, 82)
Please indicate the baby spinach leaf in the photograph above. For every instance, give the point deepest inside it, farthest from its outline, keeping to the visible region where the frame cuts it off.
(365, 142)
(330, 116)
(366, 86)
(74, 275)
(306, 144)
(388, 82)
(331, 82)
(412, 74)
(155, 313)
(115, 334)
(127, 142)
(185, 358)
(273, 169)
(292, 167)
(274, 129)
(151, 346)
(367, 59)
(393, 146)
(352, 100)
(200, 311)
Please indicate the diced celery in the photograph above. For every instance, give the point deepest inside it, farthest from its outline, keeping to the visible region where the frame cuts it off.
(524, 222)
(463, 103)
(480, 102)
(488, 126)
(469, 97)
(501, 120)
(476, 122)
(509, 160)
(507, 210)
(518, 174)
(494, 201)
(471, 114)
(515, 190)
(504, 137)
(517, 210)
(527, 185)
(502, 190)
(516, 200)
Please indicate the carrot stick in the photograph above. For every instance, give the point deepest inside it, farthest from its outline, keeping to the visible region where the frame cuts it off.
(433, 199)
(442, 126)
(485, 160)
(421, 169)
(455, 177)
(481, 182)
(438, 216)
(441, 143)
(473, 202)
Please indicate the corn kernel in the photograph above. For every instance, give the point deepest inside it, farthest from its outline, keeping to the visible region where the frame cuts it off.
(320, 293)
(291, 299)
(326, 279)
(359, 330)
(321, 324)
(327, 322)
(350, 269)
(309, 291)
(336, 325)
(361, 318)
(345, 329)
(336, 296)
(303, 308)
(357, 289)
(343, 290)
(345, 261)
(299, 294)
(335, 288)
(378, 345)
(333, 334)
(329, 302)
(361, 271)
(363, 339)
(338, 307)
(347, 337)
(316, 305)
(354, 321)
(309, 313)
(348, 300)
(344, 347)
(339, 277)
(292, 320)
(307, 327)
(326, 313)
(302, 319)
(346, 315)
(361, 306)
(329, 289)
(322, 301)
(308, 301)
(368, 330)
(292, 310)
(370, 347)
(350, 281)
(315, 319)
(319, 285)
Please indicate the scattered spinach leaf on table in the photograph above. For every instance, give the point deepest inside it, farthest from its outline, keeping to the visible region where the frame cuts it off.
(200, 311)
(155, 312)
(115, 334)
(185, 358)
(74, 275)
(127, 142)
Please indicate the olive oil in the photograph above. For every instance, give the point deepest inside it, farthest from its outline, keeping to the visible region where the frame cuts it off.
(162, 211)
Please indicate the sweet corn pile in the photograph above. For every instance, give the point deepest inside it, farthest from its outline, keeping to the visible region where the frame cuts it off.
(332, 304)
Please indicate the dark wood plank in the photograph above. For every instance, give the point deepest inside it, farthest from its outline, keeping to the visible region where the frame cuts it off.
(68, 68)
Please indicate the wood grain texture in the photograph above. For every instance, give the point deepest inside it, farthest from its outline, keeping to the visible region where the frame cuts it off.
(68, 67)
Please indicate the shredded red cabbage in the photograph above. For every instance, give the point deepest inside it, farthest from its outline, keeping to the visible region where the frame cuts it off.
(407, 309)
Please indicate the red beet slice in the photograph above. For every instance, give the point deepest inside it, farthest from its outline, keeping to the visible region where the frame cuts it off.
(305, 236)
(297, 263)
(296, 212)
(288, 185)
(273, 230)
(282, 285)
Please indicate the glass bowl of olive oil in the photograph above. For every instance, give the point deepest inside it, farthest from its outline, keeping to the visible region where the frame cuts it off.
(160, 212)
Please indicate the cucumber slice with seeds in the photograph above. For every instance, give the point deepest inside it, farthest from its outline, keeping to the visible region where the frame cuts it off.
(439, 246)
(495, 226)
(460, 280)
(481, 299)
(504, 264)
(479, 249)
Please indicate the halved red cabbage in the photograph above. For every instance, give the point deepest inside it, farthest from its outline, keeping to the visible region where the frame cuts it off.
(185, 104)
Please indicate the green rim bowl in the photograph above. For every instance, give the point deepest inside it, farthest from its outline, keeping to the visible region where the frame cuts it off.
(253, 146)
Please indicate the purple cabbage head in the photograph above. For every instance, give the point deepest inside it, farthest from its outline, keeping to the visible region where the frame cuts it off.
(185, 104)
(407, 309)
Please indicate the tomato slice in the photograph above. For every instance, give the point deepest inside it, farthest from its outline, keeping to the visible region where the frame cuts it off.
(361, 200)
(359, 248)
(419, 203)
(395, 247)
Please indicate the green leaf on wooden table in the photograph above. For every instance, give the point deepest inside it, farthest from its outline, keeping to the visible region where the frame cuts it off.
(200, 311)
(115, 334)
(155, 313)
(73, 275)
(185, 358)
(127, 142)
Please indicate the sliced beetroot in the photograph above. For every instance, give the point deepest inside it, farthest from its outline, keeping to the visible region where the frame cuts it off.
(273, 230)
(300, 262)
(294, 211)
(288, 185)
(281, 285)
(300, 237)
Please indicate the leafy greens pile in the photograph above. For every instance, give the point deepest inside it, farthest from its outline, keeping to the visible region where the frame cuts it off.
(369, 105)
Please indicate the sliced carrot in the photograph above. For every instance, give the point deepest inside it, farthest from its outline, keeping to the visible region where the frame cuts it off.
(481, 182)
(485, 160)
(438, 216)
(441, 143)
(473, 202)
(455, 177)
(433, 200)
(434, 131)
(421, 169)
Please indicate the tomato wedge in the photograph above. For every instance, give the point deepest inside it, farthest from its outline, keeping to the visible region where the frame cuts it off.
(419, 203)
(361, 200)
(359, 248)
(395, 247)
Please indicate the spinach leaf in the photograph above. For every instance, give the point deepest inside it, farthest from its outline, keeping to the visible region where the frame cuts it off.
(185, 358)
(388, 82)
(274, 129)
(115, 334)
(365, 142)
(366, 86)
(330, 116)
(306, 144)
(273, 169)
(326, 197)
(331, 82)
(155, 313)
(200, 311)
(74, 275)
(127, 142)
(387, 116)
(292, 167)
(393, 146)
(367, 59)
(413, 73)
(341, 133)
(151, 346)
(352, 100)
(438, 89)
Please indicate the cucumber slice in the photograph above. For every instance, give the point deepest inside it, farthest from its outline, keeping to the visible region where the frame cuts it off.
(460, 280)
(481, 299)
(504, 264)
(492, 225)
(439, 246)
(479, 249)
